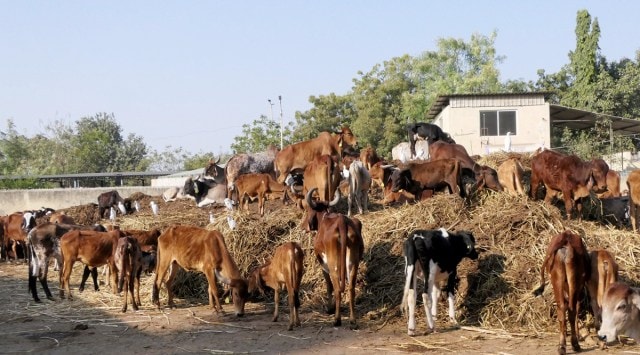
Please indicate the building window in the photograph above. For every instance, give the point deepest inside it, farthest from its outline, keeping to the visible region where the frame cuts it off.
(497, 123)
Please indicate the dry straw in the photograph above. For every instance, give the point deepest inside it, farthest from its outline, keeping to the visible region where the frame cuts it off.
(495, 291)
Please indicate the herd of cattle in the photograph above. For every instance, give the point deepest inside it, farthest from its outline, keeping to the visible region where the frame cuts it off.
(312, 175)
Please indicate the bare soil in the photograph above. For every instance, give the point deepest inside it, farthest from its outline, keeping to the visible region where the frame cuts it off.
(93, 323)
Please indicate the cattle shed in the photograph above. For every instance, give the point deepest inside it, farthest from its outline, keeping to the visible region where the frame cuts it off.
(520, 122)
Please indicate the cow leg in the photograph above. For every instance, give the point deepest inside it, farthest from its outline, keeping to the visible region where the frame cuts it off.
(632, 214)
(162, 264)
(212, 290)
(132, 288)
(126, 291)
(451, 288)
(173, 269)
(137, 285)
(85, 275)
(331, 305)
(276, 300)
(67, 267)
(113, 273)
(337, 294)
(44, 270)
(352, 274)
(558, 279)
(410, 296)
(94, 277)
(349, 203)
(430, 298)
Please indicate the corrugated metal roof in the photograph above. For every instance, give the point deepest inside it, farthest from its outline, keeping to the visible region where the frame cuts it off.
(443, 100)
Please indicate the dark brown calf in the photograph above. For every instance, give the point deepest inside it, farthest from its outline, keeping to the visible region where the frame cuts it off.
(147, 239)
(417, 177)
(128, 260)
(567, 262)
(284, 270)
(250, 186)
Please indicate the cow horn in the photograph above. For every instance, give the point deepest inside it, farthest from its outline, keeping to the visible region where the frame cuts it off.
(309, 200)
(336, 198)
(217, 160)
(387, 166)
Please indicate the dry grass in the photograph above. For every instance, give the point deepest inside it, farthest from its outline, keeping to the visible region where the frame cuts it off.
(494, 292)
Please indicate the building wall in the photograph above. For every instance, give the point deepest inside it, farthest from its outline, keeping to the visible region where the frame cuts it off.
(461, 119)
(21, 200)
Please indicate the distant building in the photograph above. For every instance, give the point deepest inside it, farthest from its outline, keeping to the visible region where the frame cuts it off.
(480, 122)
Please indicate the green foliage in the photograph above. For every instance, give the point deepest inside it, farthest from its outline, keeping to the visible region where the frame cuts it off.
(328, 113)
(196, 161)
(259, 135)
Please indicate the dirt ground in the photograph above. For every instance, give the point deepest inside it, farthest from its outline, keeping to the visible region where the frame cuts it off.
(93, 323)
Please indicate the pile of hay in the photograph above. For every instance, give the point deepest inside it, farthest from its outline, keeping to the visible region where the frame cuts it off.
(495, 291)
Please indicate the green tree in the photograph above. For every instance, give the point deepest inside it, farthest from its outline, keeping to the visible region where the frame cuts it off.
(14, 150)
(196, 161)
(99, 147)
(583, 63)
(259, 135)
(328, 113)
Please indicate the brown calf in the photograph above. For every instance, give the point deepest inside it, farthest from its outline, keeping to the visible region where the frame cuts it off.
(633, 185)
(128, 260)
(339, 247)
(147, 239)
(91, 248)
(61, 218)
(15, 228)
(510, 175)
(567, 262)
(284, 270)
(198, 249)
(613, 185)
(250, 186)
(604, 272)
(323, 174)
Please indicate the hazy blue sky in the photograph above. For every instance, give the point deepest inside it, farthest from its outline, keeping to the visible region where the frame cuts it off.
(190, 73)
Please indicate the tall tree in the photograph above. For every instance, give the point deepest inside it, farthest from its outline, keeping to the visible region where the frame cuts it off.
(259, 135)
(328, 113)
(583, 63)
(14, 150)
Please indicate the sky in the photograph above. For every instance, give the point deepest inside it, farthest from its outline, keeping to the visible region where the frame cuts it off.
(189, 74)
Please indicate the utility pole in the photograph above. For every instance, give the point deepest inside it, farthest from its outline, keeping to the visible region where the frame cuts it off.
(271, 106)
(281, 128)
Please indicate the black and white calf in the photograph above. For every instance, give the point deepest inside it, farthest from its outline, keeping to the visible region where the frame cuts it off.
(439, 252)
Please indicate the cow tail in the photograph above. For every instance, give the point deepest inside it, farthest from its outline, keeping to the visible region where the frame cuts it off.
(343, 229)
(548, 260)
(293, 275)
(121, 268)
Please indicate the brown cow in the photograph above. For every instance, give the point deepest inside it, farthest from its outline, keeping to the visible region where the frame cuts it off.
(128, 260)
(633, 185)
(298, 155)
(620, 313)
(567, 174)
(91, 248)
(323, 174)
(510, 176)
(284, 270)
(369, 157)
(250, 186)
(198, 249)
(417, 177)
(567, 262)
(484, 175)
(604, 272)
(613, 185)
(15, 228)
(339, 247)
(61, 217)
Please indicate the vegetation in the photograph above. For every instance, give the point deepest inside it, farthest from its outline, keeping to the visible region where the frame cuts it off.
(380, 103)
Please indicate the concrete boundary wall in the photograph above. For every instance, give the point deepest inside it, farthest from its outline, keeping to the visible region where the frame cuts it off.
(20, 200)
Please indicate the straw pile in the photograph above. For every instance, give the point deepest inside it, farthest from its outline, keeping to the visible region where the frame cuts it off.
(495, 291)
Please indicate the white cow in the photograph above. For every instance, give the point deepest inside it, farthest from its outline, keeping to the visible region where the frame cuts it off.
(402, 151)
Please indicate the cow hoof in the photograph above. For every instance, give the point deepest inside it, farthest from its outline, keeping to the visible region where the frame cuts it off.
(575, 346)
(274, 319)
(562, 350)
(37, 300)
(337, 322)
(80, 289)
(290, 327)
(124, 309)
(411, 332)
(330, 309)
(353, 326)
(50, 298)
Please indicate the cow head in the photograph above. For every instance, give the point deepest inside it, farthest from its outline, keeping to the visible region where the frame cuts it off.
(256, 283)
(310, 223)
(214, 171)
(239, 294)
(620, 312)
(470, 244)
(347, 138)
(28, 221)
(599, 170)
(400, 180)
(487, 177)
